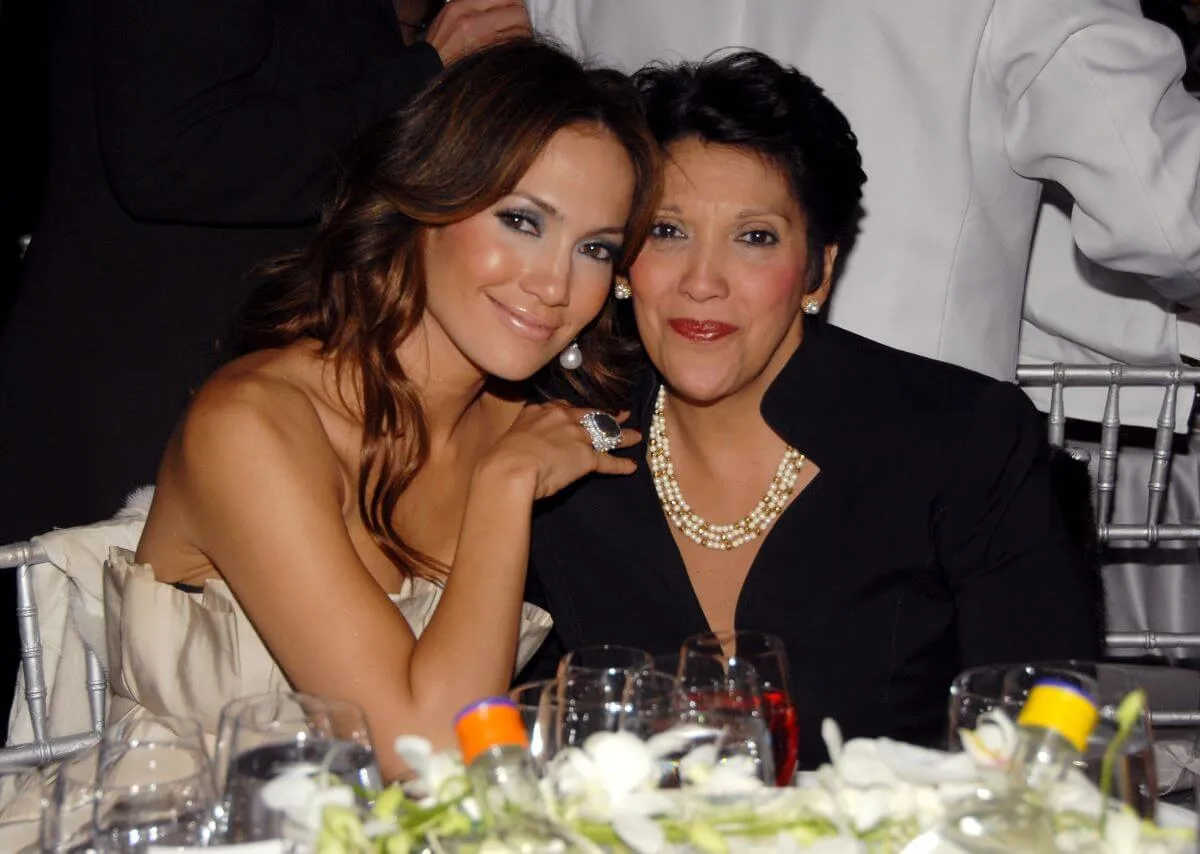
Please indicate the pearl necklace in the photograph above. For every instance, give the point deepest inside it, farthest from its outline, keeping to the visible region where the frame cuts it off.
(696, 528)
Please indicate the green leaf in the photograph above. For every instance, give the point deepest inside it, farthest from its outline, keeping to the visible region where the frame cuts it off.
(1129, 712)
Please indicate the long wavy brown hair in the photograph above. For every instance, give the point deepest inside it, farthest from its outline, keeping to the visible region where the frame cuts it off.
(358, 288)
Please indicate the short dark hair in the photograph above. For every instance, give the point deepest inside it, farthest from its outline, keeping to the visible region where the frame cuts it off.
(748, 100)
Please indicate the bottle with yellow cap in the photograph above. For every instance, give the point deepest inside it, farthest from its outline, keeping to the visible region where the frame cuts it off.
(495, 749)
(1013, 816)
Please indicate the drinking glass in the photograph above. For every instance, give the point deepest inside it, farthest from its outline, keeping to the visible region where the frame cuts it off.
(70, 805)
(272, 734)
(1005, 687)
(606, 657)
(22, 791)
(537, 704)
(717, 663)
(152, 793)
(586, 701)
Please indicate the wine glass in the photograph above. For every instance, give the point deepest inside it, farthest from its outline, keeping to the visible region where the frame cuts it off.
(152, 793)
(748, 668)
(22, 791)
(70, 805)
(272, 734)
(606, 657)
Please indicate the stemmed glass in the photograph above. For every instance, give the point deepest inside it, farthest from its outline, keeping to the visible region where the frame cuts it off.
(154, 787)
(268, 735)
(746, 672)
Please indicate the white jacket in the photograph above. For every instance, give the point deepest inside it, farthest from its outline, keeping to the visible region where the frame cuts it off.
(961, 108)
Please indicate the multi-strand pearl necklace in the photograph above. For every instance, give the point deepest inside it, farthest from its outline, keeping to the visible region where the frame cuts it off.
(696, 528)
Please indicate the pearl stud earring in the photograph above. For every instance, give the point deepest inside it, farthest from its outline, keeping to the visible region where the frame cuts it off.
(571, 358)
(621, 289)
(812, 305)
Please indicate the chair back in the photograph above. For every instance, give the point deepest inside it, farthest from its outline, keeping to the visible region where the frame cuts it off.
(44, 748)
(1151, 532)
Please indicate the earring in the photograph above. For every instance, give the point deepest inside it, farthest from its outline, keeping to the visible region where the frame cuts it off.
(811, 305)
(571, 358)
(621, 289)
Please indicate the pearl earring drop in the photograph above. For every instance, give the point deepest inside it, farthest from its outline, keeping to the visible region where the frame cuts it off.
(571, 358)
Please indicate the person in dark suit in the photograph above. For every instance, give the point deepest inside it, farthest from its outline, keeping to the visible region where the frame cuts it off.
(890, 517)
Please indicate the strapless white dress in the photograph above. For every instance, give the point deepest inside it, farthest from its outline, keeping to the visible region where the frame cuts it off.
(173, 652)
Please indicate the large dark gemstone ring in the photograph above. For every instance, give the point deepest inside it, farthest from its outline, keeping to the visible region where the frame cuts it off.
(602, 429)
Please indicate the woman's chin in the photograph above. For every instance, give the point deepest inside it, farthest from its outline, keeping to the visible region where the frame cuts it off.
(701, 390)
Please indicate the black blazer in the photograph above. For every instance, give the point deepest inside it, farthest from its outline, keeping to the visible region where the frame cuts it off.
(189, 140)
(930, 542)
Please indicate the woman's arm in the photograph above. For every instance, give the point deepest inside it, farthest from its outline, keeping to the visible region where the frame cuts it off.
(264, 492)
(1021, 588)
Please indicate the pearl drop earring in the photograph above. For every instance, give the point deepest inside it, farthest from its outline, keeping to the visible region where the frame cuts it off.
(621, 289)
(571, 358)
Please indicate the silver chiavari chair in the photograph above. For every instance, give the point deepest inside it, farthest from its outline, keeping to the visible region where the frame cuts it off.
(44, 748)
(1152, 532)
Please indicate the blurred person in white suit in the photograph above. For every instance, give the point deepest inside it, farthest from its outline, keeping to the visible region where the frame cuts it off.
(1077, 312)
(963, 108)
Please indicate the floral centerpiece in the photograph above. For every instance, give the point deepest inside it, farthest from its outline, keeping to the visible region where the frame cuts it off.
(873, 797)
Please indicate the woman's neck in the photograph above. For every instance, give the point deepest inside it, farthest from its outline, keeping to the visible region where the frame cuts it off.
(449, 384)
(713, 429)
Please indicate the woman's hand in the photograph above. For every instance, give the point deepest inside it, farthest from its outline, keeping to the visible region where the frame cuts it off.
(548, 445)
(467, 25)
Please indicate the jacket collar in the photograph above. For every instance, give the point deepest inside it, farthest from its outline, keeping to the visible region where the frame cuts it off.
(817, 404)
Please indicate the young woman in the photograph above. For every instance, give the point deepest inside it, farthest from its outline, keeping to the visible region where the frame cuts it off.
(381, 435)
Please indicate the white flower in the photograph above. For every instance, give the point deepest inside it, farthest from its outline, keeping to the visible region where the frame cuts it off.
(614, 774)
(992, 741)
(433, 769)
(301, 793)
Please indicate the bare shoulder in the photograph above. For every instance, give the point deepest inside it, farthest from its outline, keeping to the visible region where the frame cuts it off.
(258, 411)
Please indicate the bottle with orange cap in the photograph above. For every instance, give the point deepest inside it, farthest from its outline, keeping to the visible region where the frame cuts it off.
(1013, 816)
(495, 749)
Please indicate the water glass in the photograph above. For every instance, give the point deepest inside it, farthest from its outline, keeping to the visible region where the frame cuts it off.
(586, 702)
(747, 669)
(606, 657)
(152, 793)
(23, 795)
(272, 734)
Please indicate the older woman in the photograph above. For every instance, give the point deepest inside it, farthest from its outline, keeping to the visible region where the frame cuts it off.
(890, 517)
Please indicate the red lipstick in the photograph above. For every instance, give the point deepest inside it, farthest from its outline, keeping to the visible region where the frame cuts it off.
(701, 330)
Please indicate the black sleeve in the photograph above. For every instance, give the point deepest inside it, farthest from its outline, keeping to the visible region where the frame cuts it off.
(1021, 588)
(190, 131)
